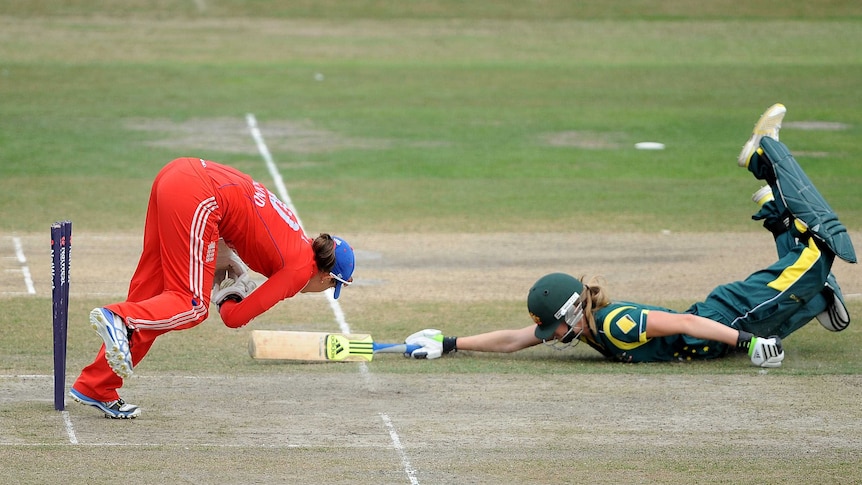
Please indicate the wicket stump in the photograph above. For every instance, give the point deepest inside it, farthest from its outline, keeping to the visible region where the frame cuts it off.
(61, 248)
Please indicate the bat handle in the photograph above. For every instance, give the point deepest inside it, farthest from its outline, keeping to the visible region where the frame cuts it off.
(411, 348)
(395, 348)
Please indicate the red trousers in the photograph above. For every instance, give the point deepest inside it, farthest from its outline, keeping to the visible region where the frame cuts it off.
(170, 289)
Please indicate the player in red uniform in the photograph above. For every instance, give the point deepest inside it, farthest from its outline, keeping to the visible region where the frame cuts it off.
(194, 204)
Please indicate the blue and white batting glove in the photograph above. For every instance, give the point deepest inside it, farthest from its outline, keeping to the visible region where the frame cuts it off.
(430, 341)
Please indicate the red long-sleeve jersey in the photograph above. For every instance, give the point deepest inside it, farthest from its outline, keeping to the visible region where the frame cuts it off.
(266, 235)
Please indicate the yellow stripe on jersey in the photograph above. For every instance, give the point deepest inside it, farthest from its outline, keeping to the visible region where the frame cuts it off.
(791, 274)
(625, 324)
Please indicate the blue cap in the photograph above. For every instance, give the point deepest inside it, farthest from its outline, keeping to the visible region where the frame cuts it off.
(344, 264)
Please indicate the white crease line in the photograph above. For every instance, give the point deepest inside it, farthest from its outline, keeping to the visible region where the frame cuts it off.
(166, 376)
(70, 430)
(281, 191)
(25, 270)
(270, 164)
(396, 441)
(26, 376)
(185, 446)
(333, 303)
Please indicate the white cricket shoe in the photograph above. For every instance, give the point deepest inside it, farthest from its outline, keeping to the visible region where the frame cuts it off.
(768, 125)
(763, 195)
(118, 409)
(113, 331)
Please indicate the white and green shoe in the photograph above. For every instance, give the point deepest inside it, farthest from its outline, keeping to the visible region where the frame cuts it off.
(768, 125)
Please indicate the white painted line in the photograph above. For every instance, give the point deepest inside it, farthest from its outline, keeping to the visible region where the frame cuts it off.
(281, 191)
(333, 303)
(19, 251)
(28, 280)
(405, 462)
(136, 377)
(195, 445)
(25, 270)
(70, 431)
(280, 188)
(26, 376)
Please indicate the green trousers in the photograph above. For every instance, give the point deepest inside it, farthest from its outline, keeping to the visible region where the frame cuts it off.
(785, 296)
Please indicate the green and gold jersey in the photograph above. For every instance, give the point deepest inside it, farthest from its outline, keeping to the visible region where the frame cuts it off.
(621, 333)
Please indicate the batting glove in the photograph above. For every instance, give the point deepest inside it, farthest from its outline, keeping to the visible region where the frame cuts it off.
(766, 352)
(430, 341)
(235, 290)
(228, 265)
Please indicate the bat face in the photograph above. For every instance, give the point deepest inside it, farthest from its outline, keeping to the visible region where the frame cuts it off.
(318, 346)
(342, 348)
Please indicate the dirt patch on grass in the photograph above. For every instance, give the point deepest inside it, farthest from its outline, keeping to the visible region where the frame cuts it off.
(503, 266)
(231, 135)
(457, 421)
(582, 139)
(416, 267)
(817, 125)
(471, 428)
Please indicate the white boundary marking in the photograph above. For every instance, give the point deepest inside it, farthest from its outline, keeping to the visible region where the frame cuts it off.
(25, 270)
(70, 430)
(67, 419)
(405, 462)
(281, 190)
(51, 376)
(188, 446)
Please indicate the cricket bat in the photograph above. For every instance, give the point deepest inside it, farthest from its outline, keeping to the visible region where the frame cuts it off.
(319, 346)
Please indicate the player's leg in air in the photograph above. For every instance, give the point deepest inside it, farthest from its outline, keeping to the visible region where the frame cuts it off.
(793, 210)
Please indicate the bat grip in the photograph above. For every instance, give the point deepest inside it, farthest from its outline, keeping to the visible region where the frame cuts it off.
(395, 348)
(411, 348)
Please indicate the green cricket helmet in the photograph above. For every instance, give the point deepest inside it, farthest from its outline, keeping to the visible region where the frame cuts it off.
(555, 298)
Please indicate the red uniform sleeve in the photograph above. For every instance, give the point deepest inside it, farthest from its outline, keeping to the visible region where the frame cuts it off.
(281, 285)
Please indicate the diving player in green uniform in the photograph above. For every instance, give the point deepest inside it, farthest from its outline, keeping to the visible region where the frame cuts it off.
(773, 302)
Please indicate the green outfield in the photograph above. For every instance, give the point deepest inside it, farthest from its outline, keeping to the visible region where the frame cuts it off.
(419, 131)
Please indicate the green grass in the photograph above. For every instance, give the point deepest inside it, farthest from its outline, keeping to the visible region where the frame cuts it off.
(432, 116)
(453, 112)
(447, 112)
(810, 351)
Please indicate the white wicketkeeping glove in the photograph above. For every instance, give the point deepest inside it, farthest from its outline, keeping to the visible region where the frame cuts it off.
(235, 290)
(766, 352)
(228, 265)
(430, 341)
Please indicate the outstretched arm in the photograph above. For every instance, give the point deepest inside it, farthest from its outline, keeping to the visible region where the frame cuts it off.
(764, 352)
(663, 324)
(499, 340)
(433, 344)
